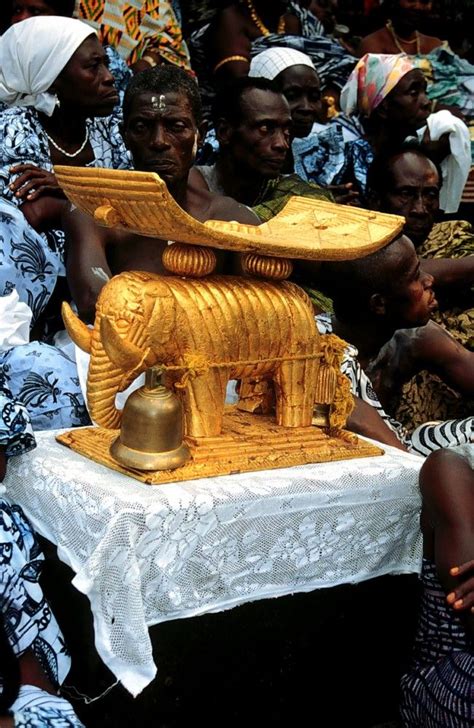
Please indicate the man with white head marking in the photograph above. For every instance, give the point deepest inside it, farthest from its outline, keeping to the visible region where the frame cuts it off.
(162, 129)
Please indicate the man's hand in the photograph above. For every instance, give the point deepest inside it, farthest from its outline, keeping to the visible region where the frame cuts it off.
(463, 595)
(344, 194)
(44, 214)
(34, 182)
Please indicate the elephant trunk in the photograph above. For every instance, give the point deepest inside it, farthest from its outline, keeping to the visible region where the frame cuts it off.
(107, 377)
(103, 383)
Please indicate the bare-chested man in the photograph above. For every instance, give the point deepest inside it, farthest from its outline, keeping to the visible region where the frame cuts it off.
(162, 129)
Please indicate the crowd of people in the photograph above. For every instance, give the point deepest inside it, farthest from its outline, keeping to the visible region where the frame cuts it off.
(238, 106)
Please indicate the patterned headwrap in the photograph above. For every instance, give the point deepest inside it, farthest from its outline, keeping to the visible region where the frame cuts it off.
(269, 63)
(32, 55)
(375, 75)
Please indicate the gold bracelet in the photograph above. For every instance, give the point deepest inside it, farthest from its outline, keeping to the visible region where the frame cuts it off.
(150, 60)
(229, 59)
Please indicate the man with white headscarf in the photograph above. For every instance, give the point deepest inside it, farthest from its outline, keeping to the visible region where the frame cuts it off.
(54, 77)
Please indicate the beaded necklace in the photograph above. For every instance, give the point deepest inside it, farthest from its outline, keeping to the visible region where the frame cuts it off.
(259, 22)
(397, 40)
(63, 151)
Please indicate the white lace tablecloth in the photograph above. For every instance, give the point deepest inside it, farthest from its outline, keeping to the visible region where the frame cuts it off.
(146, 554)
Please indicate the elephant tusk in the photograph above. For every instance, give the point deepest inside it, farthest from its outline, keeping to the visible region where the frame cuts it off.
(125, 355)
(77, 329)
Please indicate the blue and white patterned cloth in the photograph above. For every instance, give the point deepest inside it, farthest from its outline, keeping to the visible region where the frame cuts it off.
(427, 437)
(337, 154)
(24, 141)
(34, 708)
(40, 375)
(16, 433)
(27, 262)
(27, 618)
(45, 379)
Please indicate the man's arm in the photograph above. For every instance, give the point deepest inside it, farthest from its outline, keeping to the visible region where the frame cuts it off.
(437, 351)
(450, 271)
(86, 262)
(226, 208)
(365, 420)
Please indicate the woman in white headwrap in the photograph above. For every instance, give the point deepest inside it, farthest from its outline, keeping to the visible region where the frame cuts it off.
(295, 76)
(54, 78)
(53, 75)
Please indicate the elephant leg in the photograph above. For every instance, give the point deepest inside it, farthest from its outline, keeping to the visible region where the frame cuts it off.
(256, 395)
(295, 389)
(203, 403)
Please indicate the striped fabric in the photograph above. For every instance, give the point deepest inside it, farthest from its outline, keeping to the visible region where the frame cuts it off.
(438, 692)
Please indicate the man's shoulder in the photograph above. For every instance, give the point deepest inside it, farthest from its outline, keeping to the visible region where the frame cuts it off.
(226, 208)
(374, 42)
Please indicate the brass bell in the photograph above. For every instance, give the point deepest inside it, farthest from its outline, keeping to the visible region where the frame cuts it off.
(151, 435)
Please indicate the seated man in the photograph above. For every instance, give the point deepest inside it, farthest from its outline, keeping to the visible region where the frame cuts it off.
(401, 33)
(294, 74)
(253, 125)
(374, 297)
(407, 182)
(162, 118)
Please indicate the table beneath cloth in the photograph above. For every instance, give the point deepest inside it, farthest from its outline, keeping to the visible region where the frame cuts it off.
(146, 554)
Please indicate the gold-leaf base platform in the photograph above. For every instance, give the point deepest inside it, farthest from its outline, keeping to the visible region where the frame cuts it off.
(248, 442)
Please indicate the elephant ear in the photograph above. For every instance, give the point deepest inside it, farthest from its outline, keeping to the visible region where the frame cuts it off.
(160, 314)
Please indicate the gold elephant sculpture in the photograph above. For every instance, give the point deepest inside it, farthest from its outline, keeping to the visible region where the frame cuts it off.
(209, 330)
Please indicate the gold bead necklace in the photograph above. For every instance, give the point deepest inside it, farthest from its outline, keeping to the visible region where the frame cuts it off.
(260, 24)
(397, 40)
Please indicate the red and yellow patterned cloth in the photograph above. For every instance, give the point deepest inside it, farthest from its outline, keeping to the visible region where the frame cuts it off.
(137, 27)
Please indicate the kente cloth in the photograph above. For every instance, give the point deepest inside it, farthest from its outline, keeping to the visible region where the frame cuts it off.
(373, 78)
(422, 440)
(270, 63)
(438, 691)
(137, 27)
(32, 55)
(426, 397)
